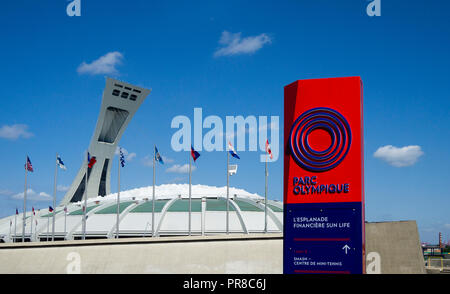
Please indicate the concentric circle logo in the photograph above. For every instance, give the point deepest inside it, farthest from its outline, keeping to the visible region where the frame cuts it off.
(327, 121)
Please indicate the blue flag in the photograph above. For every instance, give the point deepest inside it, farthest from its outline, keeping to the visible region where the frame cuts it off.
(194, 154)
(121, 158)
(158, 156)
(60, 163)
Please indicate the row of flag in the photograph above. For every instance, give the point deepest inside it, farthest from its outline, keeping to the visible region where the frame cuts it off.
(91, 160)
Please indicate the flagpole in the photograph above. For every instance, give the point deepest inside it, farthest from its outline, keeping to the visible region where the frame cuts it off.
(228, 191)
(31, 230)
(189, 194)
(153, 199)
(48, 224)
(265, 201)
(65, 222)
(85, 200)
(25, 201)
(15, 226)
(54, 198)
(118, 198)
(10, 225)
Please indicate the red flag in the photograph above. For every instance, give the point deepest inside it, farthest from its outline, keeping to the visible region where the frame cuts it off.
(268, 149)
(91, 160)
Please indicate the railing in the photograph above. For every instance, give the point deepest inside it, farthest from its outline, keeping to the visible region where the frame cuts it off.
(438, 262)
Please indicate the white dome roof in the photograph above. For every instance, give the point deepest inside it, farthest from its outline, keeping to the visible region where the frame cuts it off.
(171, 207)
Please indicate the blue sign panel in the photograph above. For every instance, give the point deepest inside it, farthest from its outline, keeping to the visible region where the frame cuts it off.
(323, 238)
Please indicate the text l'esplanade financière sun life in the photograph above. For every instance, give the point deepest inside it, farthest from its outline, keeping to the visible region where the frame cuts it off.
(309, 186)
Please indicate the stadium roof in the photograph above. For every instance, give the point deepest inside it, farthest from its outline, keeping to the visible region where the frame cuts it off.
(208, 206)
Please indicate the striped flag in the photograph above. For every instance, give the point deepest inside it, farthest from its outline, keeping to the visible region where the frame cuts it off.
(50, 209)
(29, 166)
(231, 150)
(194, 154)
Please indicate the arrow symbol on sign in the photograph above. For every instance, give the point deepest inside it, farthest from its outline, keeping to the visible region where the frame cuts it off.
(346, 248)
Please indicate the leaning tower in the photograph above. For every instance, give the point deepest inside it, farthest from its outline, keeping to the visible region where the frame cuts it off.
(119, 104)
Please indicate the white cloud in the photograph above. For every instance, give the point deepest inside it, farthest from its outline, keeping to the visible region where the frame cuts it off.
(104, 65)
(62, 188)
(167, 159)
(180, 169)
(147, 160)
(399, 157)
(6, 192)
(233, 44)
(130, 156)
(32, 195)
(14, 132)
(44, 195)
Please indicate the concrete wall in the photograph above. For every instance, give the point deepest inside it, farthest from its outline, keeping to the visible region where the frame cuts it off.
(398, 246)
(173, 255)
(391, 247)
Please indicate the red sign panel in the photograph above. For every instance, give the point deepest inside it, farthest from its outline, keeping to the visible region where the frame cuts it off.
(323, 141)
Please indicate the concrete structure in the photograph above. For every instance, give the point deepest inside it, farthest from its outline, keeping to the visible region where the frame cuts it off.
(246, 215)
(395, 245)
(119, 104)
(171, 255)
(398, 246)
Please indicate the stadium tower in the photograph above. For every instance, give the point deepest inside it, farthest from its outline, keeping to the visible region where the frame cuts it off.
(119, 104)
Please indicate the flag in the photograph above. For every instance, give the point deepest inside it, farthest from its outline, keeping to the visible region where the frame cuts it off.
(60, 163)
(32, 209)
(10, 222)
(121, 158)
(158, 156)
(194, 154)
(231, 150)
(50, 209)
(232, 169)
(268, 150)
(29, 166)
(65, 209)
(17, 212)
(91, 160)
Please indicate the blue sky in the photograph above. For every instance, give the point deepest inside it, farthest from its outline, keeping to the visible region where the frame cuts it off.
(49, 105)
